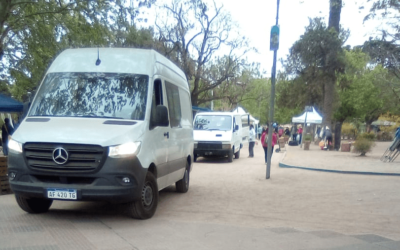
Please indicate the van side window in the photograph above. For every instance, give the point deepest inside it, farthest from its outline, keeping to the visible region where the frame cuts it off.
(174, 105)
(156, 100)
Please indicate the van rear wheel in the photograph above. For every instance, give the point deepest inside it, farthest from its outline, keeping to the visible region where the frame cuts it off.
(182, 186)
(237, 154)
(146, 207)
(33, 205)
(230, 156)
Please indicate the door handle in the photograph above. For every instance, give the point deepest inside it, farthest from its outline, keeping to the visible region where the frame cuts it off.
(166, 134)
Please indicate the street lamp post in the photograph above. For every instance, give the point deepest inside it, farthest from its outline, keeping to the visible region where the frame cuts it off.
(274, 45)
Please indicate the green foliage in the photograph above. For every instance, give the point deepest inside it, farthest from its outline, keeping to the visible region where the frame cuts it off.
(363, 145)
(32, 33)
(349, 130)
(369, 136)
(307, 137)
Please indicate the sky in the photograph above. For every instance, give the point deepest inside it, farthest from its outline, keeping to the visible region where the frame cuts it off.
(255, 18)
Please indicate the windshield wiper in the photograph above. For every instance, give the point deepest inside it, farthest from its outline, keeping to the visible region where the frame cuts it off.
(99, 116)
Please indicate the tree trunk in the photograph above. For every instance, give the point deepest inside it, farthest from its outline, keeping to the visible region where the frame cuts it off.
(334, 14)
(329, 88)
(329, 85)
(338, 134)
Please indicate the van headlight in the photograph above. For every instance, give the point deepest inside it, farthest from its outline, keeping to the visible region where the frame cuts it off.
(15, 146)
(126, 149)
(226, 146)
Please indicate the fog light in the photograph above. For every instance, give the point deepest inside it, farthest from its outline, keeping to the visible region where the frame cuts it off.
(126, 180)
(11, 176)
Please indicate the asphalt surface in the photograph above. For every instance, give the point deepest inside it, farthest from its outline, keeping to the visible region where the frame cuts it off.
(233, 206)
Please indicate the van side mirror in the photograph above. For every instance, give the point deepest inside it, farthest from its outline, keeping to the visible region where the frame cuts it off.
(162, 116)
(236, 127)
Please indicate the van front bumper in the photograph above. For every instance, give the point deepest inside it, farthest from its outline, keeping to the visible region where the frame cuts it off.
(217, 152)
(105, 184)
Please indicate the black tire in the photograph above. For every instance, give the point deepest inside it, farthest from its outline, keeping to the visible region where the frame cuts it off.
(237, 154)
(145, 207)
(230, 156)
(194, 157)
(33, 205)
(182, 186)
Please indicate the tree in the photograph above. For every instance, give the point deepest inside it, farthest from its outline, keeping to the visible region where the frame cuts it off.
(192, 36)
(312, 63)
(329, 85)
(33, 32)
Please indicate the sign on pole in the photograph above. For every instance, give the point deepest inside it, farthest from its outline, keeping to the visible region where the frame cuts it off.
(274, 39)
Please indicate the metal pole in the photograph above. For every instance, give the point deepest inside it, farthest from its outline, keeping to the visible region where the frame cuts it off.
(272, 104)
(304, 128)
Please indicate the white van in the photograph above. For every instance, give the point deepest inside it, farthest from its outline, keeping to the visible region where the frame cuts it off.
(105, 125)
(218, 133)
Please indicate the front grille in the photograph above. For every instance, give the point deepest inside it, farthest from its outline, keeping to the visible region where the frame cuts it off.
(209, 145)
(81, 158)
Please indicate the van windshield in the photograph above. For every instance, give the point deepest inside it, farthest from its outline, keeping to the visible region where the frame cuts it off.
(213, 122)
(101, 95)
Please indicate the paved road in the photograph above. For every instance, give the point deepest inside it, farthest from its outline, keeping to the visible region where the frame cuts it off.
(228, 206)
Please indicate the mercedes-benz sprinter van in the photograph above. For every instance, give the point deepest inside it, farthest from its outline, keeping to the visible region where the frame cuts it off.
(105, 125)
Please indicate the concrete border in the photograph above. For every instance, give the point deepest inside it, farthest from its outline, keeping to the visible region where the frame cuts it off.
(283, 165)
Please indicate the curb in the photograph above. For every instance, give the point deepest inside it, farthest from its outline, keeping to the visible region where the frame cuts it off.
(283, 165)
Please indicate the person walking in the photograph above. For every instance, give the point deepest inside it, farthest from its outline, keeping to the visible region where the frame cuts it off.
(252, 141)
(6, 130)
(264, 143)
(259, 131)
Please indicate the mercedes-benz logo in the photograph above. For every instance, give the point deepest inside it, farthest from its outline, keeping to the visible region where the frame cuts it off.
(60, 156)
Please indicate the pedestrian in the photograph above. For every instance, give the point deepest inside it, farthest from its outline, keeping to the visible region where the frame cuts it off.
(294, 132)
(259, 131)
(287, 131)
(252, 141)
(327, 137)
(280, 131)
(6, 131)
(264, 143)
(300, 133)
(319, 132)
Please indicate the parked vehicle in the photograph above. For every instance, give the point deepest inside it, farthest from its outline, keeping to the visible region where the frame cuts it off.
(105, 125)
(218, 133)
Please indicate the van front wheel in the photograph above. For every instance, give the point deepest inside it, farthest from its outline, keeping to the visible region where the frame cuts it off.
(145, 207)
(33, 205)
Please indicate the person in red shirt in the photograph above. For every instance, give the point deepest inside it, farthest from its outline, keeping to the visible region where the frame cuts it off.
(300, 132)
(264, 142)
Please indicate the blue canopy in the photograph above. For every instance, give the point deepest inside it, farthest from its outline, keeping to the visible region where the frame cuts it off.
(9, 105)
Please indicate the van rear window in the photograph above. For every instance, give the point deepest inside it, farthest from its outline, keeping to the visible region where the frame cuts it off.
(97, 95)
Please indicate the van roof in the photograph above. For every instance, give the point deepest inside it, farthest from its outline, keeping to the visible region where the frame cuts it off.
(114, 60)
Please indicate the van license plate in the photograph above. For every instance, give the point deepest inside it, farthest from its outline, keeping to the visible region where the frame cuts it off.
(208, 153)
(63, 194)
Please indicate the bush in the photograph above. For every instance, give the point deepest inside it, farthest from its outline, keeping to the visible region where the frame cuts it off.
(307, 137)
(348, 130)
(369, 136)
(363, 145)
(384, 136)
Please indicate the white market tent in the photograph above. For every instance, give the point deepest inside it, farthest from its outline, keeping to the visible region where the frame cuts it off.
(312, 117)
(240, 110)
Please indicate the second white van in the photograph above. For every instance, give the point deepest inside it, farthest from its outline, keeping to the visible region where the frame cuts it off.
(218, 133)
